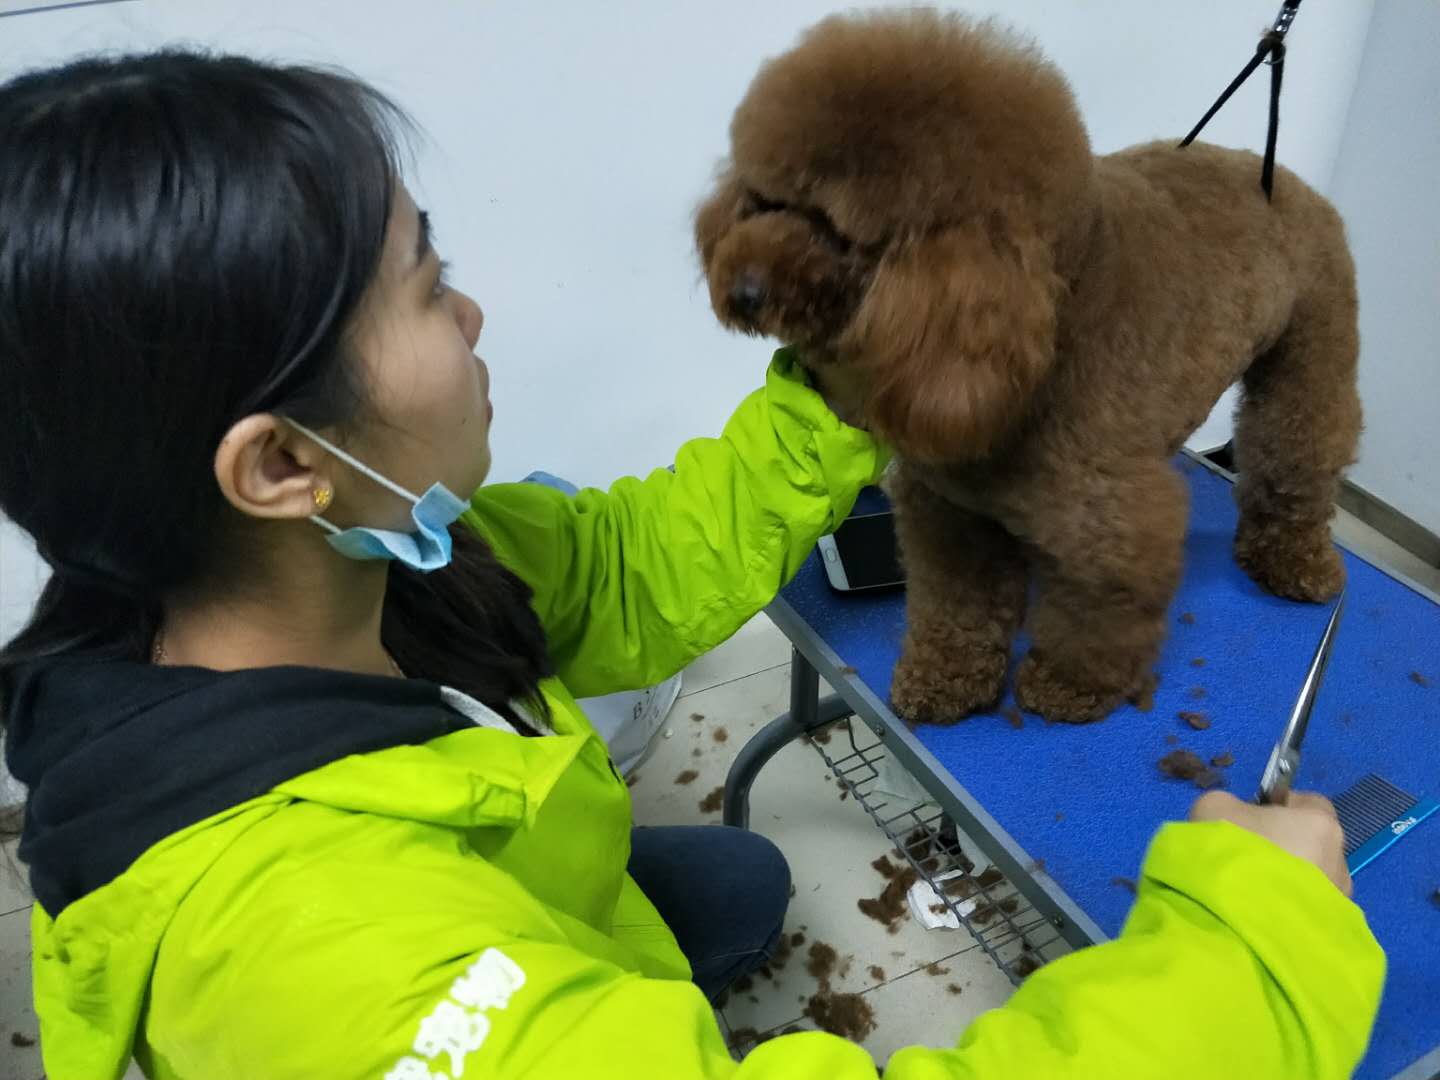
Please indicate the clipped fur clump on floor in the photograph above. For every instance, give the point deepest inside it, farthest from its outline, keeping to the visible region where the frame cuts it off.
(847, 1015)
(890, 908)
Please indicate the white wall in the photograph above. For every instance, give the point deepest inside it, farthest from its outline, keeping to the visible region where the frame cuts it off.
(1385, 184)
(569, 141)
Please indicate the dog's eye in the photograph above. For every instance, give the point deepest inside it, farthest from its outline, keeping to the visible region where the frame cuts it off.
(759, 204)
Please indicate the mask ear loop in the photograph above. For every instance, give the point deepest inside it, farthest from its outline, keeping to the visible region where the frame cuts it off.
(356, 464)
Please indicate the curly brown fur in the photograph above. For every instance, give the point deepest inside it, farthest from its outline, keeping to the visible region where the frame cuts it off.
(966, 599)
(911, 199)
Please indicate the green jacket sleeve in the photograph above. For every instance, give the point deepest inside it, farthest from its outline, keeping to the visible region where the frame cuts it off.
(633, 583)
(1237, 960)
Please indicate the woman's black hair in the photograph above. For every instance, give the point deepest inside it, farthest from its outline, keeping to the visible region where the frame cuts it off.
(184, 240)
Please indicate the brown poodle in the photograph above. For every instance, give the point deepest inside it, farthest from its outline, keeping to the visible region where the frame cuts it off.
(912, 200)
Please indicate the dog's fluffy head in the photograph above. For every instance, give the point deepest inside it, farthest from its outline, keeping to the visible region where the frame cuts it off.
(897, 187)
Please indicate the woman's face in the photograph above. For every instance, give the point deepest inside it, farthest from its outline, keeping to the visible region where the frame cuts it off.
(429, 393)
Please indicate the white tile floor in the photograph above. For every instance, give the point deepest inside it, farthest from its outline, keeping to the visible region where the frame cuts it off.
(828, 842)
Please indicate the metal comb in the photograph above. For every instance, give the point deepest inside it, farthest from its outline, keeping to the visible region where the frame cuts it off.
(1375, 814)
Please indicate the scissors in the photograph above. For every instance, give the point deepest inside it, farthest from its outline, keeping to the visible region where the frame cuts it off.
(1285, 758)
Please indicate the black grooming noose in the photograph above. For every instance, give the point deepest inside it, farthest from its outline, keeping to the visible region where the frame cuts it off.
(1271, 50)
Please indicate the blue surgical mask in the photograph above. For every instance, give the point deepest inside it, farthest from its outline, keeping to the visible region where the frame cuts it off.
(426, 548)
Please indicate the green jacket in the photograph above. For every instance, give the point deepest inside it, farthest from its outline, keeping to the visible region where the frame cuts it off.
(461, 907)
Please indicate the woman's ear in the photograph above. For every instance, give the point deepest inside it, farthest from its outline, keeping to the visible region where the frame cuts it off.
(266, 470)
(956, 332)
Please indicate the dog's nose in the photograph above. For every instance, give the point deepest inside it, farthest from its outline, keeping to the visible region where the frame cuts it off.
(747, 294)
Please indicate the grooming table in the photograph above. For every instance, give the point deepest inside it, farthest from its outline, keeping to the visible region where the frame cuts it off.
(1065, 811)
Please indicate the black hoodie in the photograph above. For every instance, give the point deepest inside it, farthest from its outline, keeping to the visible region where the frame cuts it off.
(118, 755)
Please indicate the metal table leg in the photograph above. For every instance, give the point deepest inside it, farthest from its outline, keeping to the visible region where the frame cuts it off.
(807, 712)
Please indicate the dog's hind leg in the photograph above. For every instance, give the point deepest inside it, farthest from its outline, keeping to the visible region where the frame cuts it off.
(1109, 545)
(1296, 429)
(966, 582)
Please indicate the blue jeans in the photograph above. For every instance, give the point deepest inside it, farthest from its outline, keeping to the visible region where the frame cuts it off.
(722, 891)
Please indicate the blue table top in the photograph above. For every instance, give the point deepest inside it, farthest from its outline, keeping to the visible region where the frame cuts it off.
(1086, 799)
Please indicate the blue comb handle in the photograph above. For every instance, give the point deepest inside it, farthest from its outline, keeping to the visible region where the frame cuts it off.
(1367, 852)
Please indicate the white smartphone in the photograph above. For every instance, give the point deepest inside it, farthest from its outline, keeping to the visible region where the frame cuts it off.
(861, 554)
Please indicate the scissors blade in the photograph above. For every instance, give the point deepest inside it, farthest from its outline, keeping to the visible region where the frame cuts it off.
(1285, 759)
(1305, 703)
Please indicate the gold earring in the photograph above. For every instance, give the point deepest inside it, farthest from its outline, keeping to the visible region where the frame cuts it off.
(322, 497)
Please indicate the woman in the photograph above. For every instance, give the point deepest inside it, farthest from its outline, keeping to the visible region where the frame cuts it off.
(310, 794)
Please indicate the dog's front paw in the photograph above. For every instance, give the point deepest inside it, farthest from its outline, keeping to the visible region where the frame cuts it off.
(1294, 565)
(944, 686)
(1041, 688)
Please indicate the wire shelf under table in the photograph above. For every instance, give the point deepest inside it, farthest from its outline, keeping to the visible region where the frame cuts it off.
(1016, 936)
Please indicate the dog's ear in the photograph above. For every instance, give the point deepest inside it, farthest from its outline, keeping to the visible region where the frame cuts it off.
(955, 334)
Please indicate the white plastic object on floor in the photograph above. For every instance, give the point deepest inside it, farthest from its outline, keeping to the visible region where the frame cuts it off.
(893, 779)
(629, 721)
(922, 898)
